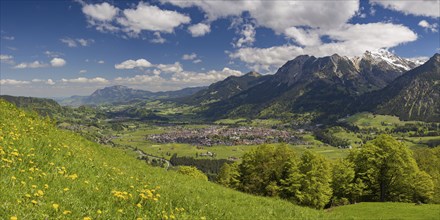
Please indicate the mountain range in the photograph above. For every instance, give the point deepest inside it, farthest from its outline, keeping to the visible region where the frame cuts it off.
(328, 87)
(122, 94)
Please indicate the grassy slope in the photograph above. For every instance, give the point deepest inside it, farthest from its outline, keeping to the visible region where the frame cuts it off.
(390, 210)
(82, 179)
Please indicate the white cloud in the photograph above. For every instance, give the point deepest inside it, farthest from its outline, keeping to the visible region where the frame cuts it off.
(303, 37)
(279, 15)
(139, 80)
(82, 71)
(75, 42)
(429, 8)
(197, 61)
(264, 58)
(57, 62)
(50, 82)
(85, 42)
(35, 64)
(100, 12)
(131, 64)
(432, 27)
(97, 80)
(349, 40)
(150, 18)
(247, 36)
(6, 59)
(199, 29)
(13, 82)
(191, 56)
(204, 78)
(158, 39)
(170, 68)
(69, 42)
(52, 54)
(8, 37)
(101, 62)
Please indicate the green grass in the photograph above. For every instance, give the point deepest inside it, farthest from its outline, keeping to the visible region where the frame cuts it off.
(384, 211)
(47, 173)
(369, 120)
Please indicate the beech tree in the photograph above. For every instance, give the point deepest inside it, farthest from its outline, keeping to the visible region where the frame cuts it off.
(229, 176)
(315, 182)
(388, 169)
(346, 189)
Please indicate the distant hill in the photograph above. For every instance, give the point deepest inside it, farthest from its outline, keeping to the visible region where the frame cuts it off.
(225, 89)
(124, 94)
(324, 85)
(43, 106)
(413, 96)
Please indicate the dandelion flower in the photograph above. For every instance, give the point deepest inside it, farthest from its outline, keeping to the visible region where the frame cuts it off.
(14, 218)
(66, 212)
(87, 218)
(55, 206)
(34, 202)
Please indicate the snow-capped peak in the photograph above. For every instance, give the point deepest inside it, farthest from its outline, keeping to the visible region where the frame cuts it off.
(383, 55)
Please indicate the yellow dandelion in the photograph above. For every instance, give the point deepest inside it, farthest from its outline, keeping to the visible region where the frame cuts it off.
(138, 218)
(87, 218)
(13, 178)
(66, 189)
(40, 192)
(46, 186)
(13, 218)
(139, 205)
(34, 202)
(34, 186)
(66, 212)
(55, 206)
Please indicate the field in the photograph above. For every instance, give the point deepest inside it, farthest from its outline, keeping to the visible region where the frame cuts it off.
(387, 210)
(137, 140)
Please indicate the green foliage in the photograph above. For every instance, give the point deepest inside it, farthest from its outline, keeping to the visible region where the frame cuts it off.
(262, 169)
(429, 161)
(192, 171)
(229, 176)
(315, 189)
(388, 169)
(346, 189)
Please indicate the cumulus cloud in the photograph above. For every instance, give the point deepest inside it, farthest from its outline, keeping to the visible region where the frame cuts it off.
(170, 68)
(204, 78)
(191, 56)
(82, 71)
(197, 61)
(47, 82)
(158, 39)
(199, 29)
(97, 80)
(131, 64)
(76, 42)
(35, 64)
(101, 62)
(278, 15)
(349, 40)
(101, 15)
(303, 37)
(13, 82)
(6, 59)
(57, 62)
(428, 8)
(432, 27)
(247, 36)
(151, 18)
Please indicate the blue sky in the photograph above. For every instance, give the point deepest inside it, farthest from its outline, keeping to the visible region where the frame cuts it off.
(63, 48)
